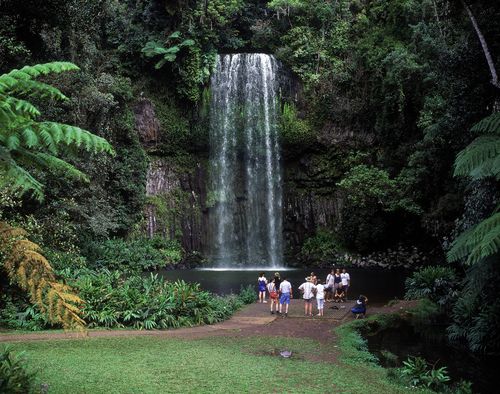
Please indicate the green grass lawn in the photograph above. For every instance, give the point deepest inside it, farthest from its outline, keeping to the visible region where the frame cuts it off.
(213, 365)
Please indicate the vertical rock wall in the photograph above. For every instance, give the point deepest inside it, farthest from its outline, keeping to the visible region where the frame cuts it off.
(176, 199)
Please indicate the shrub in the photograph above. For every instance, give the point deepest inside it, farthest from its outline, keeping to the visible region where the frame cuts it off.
(322, 247)
(14, 374)
(438, 284)
(294, 131)
(114, 300)
(247, 294)
(141, 254)
(18, 314)
(417, 373)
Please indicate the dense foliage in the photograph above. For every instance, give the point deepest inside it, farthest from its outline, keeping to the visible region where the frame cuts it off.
(438, 284)
(113, 300)
(379, 99)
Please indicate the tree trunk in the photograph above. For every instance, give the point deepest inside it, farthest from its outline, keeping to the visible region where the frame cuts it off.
(487, 54)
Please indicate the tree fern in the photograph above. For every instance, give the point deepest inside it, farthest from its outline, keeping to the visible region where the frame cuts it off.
(479, 160)
(477, 242)
(28, 268)
(488, 125)
(26, 142)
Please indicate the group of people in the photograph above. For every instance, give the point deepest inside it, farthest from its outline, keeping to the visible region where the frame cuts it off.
(338, 284)
(334, 289)
(280, 293)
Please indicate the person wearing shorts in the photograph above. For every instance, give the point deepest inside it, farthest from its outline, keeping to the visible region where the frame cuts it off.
(320, 297)
(262, 281)
(286, 295)
(308, 289)
(273, 295)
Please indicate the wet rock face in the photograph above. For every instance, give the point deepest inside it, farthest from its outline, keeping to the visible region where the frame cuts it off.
(147, 125)
(176, 208)
(305, 212)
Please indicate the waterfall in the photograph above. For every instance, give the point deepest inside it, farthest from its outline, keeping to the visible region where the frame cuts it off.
(245, 163)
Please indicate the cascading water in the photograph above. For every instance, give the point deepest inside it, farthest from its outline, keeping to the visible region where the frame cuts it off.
(245, 162)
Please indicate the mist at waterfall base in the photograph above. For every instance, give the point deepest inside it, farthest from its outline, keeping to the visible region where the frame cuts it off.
(245, 165)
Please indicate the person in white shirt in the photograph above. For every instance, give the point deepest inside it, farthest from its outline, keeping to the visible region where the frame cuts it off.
(346, 281)
(320, 297)
(307, 289)
(286, 294)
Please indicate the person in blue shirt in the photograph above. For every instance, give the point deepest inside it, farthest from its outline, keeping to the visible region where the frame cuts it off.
(359, 309)
(262, 281)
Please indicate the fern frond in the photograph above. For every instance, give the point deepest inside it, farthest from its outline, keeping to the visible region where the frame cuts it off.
(36, 89)
(480, 159)
(72, 135)
(478, 242)
(21, 81)
(28, 268)
(29, 72)
(7, 115)
(21, 107)
(55, 164)
(488, 125)
(16, 177)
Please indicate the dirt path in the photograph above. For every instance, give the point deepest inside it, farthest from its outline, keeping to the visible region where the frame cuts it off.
(252, 320)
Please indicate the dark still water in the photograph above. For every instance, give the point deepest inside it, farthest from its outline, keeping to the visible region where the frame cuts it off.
(378, 285)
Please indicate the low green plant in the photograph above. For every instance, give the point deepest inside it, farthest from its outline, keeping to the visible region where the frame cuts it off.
(294, 130)
(417, 372)
(353, 346)
(114, 300)
(15, 376)
(247, 294)
(438, 284)
(18, 314)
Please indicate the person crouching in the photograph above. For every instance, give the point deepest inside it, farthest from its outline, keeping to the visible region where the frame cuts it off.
(359, 308)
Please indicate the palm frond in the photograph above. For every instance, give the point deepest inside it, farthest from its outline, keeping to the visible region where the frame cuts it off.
(20, 107)
(36, 89)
